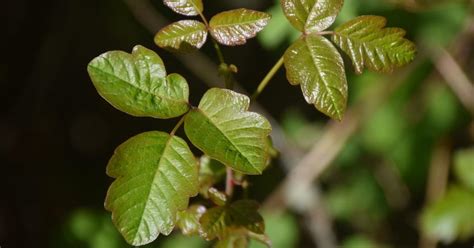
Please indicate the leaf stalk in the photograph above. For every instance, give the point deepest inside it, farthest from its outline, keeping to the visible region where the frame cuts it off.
(263, 84)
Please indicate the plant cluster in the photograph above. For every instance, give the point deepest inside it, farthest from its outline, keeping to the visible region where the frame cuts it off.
(156, 173)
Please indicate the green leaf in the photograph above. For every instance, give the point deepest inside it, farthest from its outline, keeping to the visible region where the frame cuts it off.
(233, 240)
(224, 220)
(183, 35)
(210, 172)
(137, 84)
(185, 7)
(451, 217)
(369, 44)
(234, 27)
(188, 220)
(224, 130)
(155, 175)
(464, 167)
(315, 64)
(310, 16)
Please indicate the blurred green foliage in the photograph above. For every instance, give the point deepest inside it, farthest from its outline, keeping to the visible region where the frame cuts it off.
(401, 133)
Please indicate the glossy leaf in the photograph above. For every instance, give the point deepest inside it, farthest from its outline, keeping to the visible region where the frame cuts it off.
(234, 27)
(224, 130)
(188, 220)
(155, 175)
(185, 7)
(310, 16)
(182, 35)
(315, 64)
(137, 84)
(464, 167)
(369, 44)
(451, 217)
(224, 220)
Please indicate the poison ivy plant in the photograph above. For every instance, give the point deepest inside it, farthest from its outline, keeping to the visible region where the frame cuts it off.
(156, 172)
(366, 42)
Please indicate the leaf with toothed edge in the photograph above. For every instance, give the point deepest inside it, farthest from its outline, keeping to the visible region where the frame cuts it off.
(224, 130)
(235, 27)
(315, 64)
(310, 16)
(137, 84)
(182, 36)
(185, 7)
(369, 44)
(155, 175)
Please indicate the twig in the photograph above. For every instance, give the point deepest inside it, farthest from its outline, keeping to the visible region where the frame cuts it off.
(437, 180)
(455, 78)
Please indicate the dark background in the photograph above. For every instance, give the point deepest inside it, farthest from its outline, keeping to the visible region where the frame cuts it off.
(57, 133)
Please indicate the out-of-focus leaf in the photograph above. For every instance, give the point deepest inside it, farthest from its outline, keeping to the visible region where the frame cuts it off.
(309, 16)
(369, 44)
(278, 29)
(216, 196)
(181, 241)
(282, 230)
(185, 7)
(464, 167)
(223, 220)
(235, 27)
(224, 130)
(137, 84)
(360, 241)
(315, 64)
(210, 172)
(450, 218)
(233, 240)
(155, 175)
(188, 220)
(183, 35)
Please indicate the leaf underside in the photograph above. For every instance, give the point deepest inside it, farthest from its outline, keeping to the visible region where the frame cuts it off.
(137, 84)
(369, 44)
(183, 35)
(185, 7)
(315, 64)
(235, 27)
(155, 174)
(310, 16)
(224, 130)
(220, 222)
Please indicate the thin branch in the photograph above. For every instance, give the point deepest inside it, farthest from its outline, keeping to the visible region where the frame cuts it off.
(455, 77)
(437, 181)
(266, 80)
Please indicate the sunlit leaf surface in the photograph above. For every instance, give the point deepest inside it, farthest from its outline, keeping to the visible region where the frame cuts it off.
(223, 129)
(137, 84)
(369, 44)
(155, 175)
(235, 27)
(315, 64)
(182, 35)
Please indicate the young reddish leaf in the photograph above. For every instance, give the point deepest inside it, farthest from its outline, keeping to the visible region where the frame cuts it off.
(234, 27)
(183, 36)
(188, 220)
(155, 174)
(369, 44)
(224, 130)
(310, 16)
(224, 220)
(137, 84)
(315, 64)
(185, 7)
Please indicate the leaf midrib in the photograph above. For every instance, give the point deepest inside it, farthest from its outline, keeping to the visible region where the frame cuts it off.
(134, 86)
(228, 139)
(324, 81)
